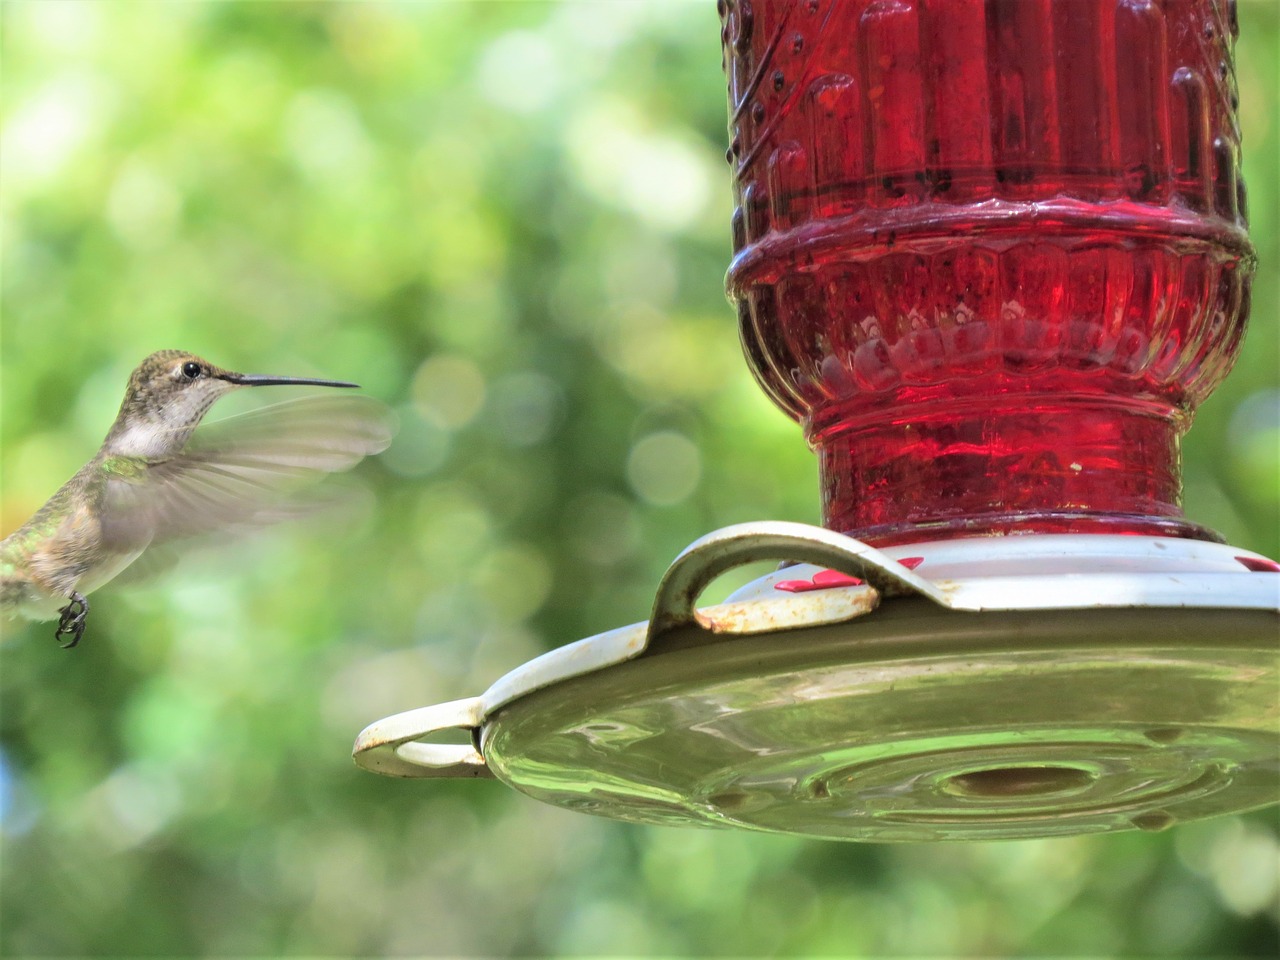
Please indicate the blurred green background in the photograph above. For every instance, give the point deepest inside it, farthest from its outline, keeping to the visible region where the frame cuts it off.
(511, 222)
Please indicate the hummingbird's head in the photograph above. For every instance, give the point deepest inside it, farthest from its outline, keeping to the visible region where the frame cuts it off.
(168, 395)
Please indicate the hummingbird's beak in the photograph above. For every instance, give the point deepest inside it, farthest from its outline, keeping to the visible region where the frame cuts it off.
(257, 380)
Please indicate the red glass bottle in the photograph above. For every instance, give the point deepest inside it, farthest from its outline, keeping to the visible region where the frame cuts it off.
(990, 253)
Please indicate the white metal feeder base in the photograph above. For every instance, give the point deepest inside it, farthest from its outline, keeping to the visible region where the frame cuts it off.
(968, 690)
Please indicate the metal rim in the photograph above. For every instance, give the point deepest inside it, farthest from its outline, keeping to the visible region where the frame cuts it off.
(1110, 572)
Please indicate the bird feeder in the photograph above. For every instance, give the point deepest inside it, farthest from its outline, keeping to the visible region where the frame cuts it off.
(990, 255)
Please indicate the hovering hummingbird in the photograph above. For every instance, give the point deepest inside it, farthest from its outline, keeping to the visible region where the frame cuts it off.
(157, 479)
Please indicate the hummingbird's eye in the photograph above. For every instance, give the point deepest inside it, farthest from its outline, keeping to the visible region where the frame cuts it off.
(191, 370)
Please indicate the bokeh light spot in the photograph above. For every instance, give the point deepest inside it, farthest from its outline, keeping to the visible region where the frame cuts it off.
(664, 468)
(448, 390)
(519, 71)
(526, 407)
(659, 178)
(143, 207)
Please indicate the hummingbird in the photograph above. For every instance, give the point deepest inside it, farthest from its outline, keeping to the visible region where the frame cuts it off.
(157, 479)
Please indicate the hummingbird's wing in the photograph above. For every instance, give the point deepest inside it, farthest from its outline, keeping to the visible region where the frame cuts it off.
(246, 470)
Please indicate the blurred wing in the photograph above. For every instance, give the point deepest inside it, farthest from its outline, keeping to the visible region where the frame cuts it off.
(246, 470)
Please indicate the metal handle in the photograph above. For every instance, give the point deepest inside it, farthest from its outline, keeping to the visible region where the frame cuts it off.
(717, 553)
(391, 746)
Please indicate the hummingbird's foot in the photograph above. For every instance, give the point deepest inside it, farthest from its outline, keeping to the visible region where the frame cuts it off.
(72, 622)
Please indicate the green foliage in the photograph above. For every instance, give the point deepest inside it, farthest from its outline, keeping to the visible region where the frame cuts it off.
(511, 222)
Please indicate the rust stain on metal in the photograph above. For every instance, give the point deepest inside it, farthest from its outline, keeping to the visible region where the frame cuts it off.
(755, 616)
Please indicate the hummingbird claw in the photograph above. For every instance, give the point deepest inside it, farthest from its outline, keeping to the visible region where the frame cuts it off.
(72, 622)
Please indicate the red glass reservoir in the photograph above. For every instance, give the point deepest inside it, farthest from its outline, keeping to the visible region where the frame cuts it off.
(990, 253)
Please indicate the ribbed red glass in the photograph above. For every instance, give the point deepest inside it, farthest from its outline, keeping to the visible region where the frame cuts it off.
(990, 253)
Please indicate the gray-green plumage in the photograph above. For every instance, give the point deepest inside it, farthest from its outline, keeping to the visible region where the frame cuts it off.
(157, 479)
